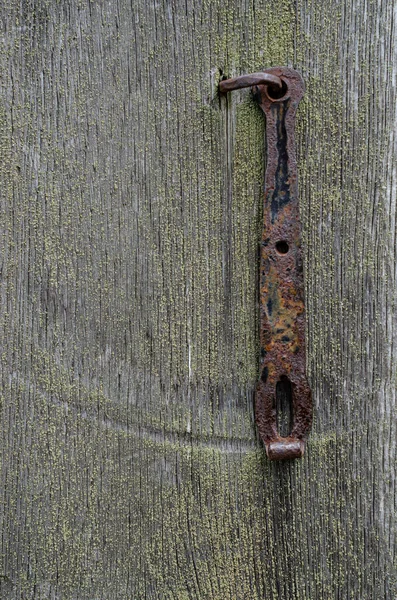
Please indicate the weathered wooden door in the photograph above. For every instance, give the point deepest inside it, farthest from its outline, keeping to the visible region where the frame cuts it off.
(131, 200)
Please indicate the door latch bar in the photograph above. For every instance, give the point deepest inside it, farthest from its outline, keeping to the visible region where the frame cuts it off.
(278, 91)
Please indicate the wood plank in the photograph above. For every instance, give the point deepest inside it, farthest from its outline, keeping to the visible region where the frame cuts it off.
(130, 223)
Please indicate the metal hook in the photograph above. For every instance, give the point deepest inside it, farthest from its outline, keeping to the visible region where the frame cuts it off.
(282, 305)
(236, 83)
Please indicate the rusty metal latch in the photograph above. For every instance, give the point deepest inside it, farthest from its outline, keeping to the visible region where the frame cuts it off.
(282, 306)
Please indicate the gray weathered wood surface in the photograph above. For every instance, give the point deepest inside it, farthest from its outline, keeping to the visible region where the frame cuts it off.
(130, 221)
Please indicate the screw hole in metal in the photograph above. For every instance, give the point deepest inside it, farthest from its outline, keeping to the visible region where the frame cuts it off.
(282, 247)
(276, 93)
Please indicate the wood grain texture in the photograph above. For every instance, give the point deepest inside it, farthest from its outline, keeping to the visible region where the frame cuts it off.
(130, 221)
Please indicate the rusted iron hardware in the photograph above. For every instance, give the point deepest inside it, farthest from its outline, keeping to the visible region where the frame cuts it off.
(282, 307)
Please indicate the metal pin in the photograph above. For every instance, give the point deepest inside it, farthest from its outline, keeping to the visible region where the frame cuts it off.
(236, 83)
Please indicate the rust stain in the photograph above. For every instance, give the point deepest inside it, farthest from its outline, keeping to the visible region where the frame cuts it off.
(282, 305)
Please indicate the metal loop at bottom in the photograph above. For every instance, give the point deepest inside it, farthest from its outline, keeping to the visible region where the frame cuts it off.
(285, 449)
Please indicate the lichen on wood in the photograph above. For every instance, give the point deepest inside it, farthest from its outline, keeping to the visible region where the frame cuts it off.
(130, 221)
